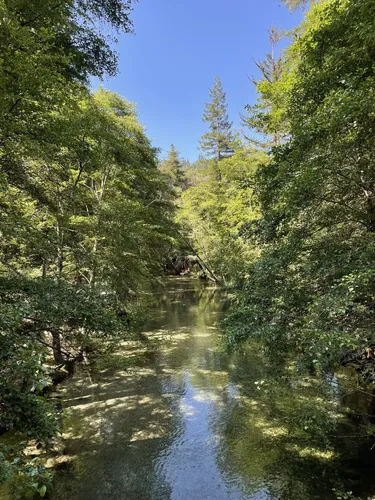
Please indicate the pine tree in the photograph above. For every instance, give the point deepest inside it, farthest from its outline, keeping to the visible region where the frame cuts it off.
(173, 167)
(218, 141)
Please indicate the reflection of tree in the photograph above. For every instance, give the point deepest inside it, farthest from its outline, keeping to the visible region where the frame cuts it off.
(286, 432)
(261, 427)
(116, 430)
(273, 432)
(119, 424)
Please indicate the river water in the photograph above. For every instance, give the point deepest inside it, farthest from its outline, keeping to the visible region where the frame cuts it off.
(184, 420)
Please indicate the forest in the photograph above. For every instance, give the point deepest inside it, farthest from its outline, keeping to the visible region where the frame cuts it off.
(279, 215)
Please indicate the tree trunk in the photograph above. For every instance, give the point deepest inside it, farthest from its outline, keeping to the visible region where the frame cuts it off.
(371, 213)
(56, 344)
(93, 270)
(60, 251)
(45, 268)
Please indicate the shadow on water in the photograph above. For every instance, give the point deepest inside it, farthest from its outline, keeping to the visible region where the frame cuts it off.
(189, 421)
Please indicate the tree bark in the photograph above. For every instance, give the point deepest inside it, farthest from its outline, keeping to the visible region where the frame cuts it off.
(60, 251)
(56, 345)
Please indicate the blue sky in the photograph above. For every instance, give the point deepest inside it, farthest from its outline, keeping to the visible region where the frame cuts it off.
(168, 66)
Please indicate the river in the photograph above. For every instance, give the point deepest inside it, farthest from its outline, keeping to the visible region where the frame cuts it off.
(184, 420)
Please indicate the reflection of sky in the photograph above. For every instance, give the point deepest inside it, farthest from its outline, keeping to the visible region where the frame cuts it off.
(190, 462)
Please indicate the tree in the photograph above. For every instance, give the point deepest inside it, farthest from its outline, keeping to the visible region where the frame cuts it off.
(48, 51)
(172, 166)
(216, 213)
(218, 142)
(312, 289)
(266, 117)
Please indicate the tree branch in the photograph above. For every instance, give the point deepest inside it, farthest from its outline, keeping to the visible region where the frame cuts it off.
(13, 269)
(35, 18)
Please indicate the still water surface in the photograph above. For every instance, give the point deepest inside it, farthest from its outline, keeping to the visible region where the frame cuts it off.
(188, 421)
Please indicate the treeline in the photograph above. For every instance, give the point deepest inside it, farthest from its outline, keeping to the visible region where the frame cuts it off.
(86, 215)
(285, 212)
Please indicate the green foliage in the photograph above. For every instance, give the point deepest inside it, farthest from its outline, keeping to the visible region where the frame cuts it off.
(312, 288)
(216, 213)
(266, 117)
(30, 478)
(172, 167)
(33, 312)
(92, 214)
(47, 49)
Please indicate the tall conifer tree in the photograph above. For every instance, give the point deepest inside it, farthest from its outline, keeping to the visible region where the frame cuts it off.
(218, 141)
(173, 167)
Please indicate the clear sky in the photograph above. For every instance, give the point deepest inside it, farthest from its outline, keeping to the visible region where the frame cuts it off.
(168, 66)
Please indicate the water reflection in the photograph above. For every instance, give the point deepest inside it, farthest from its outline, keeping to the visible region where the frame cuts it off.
(188, 421)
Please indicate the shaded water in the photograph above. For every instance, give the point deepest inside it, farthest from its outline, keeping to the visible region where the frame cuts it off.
(186, 420)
